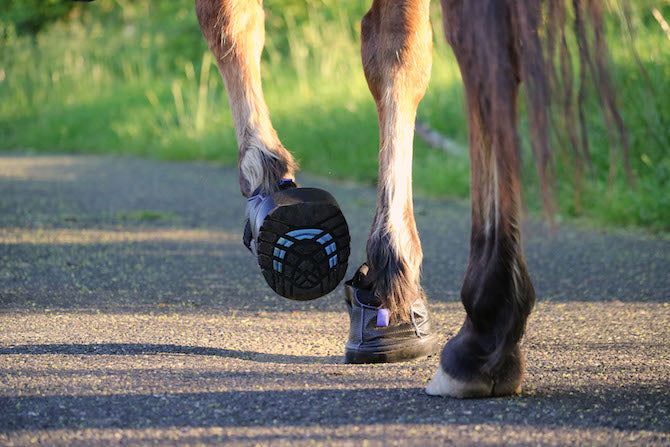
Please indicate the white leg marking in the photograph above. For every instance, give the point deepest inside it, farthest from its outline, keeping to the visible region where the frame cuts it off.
(397, 132)
(444, 385)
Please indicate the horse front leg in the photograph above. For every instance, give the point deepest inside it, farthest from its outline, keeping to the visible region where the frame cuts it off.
(385, 296)
(484, 358)
(298, 235)
(235, 33)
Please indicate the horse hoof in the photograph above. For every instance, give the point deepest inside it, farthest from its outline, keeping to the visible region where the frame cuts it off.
(506, 381)
(374, 339)
(301, 241)
(444, 385)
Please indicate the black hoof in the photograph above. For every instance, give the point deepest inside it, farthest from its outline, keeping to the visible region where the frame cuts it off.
(301, 241)
(373, 339)
(461, 375)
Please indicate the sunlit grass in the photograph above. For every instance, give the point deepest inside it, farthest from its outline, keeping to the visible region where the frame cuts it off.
(65, 236)
(137, 78)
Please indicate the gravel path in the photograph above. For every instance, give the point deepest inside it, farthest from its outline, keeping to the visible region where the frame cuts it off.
(130, 313)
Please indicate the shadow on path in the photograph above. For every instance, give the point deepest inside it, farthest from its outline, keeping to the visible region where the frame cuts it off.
(144, 349)
(629, 408)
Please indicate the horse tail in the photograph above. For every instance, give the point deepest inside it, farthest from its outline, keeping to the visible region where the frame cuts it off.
(546, 65)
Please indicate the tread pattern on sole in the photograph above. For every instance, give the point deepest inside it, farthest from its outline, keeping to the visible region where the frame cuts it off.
(303, 262)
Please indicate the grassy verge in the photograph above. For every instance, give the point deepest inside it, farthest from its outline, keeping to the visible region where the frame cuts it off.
(136, 78)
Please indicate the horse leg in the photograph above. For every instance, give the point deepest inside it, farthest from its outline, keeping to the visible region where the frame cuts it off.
(235, 33)
(299, 235)
(484, 359)
(396, 50)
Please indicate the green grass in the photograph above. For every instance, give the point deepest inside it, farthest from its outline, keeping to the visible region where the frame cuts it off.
(145, 215)
(137, 78)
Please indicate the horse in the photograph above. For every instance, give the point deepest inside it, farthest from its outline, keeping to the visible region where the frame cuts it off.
(497, 45)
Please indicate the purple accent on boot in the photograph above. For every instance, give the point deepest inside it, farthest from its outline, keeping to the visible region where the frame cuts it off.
(285, 180)
(383, 317)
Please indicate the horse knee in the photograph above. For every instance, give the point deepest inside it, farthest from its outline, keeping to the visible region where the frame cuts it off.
(396, 48)
(232, 28)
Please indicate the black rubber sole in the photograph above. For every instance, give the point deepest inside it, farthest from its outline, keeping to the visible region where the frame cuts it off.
(413, 349)
(303, 244)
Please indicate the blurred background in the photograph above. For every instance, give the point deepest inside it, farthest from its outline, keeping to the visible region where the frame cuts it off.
(135, 77)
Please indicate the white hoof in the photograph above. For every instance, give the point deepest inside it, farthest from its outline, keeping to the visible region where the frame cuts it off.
(444, 385)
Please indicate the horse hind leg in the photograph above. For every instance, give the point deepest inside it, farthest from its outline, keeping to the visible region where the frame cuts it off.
(235, 33)
(484, 358)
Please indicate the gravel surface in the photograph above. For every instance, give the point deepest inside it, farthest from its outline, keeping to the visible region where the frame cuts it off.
(131, 313)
